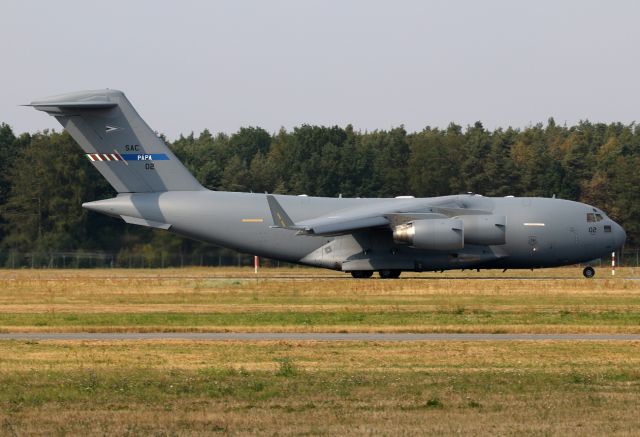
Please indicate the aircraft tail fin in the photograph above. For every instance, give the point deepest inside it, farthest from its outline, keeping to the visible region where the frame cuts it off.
(118, 142)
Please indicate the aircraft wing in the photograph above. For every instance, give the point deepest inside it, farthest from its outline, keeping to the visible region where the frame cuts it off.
(347, 221)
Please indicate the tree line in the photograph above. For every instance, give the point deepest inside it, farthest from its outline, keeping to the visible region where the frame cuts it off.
(44, 177)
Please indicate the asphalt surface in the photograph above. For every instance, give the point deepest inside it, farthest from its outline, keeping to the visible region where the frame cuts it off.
(311, 336)
(600, 276)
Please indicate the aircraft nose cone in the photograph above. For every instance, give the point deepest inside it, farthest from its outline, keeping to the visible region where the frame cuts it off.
(619, 236)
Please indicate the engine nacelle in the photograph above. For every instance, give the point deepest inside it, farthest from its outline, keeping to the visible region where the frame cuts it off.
(484, 229)
(434, 234)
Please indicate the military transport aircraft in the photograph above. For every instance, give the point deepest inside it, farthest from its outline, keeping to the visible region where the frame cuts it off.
(355, 235)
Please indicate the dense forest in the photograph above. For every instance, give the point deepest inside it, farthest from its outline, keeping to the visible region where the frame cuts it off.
(44, 177)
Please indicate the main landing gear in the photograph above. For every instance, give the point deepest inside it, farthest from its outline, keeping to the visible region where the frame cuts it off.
(389, 274)
(362, 274)
(384, 274)
(589, 272)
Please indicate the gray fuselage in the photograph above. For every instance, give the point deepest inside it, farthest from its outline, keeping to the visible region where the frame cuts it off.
(540, 232)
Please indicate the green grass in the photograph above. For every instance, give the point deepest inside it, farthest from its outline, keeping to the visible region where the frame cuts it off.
(293, 388)
(458, 316)
(416, 388)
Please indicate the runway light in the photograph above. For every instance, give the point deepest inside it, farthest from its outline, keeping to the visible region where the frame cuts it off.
(613, 263)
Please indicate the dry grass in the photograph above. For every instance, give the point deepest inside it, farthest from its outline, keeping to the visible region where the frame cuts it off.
(294, 388)
(199, 299)
(554, 356)
(318, 388)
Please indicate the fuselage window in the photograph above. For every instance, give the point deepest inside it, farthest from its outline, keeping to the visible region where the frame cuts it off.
(591, 217)
(607, 228)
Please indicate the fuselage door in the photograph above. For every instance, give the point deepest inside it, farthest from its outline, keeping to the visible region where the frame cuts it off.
(536, 236)
(574, 235)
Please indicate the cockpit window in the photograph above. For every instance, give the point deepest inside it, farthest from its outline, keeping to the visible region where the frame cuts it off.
(593, 217)
(607, 228)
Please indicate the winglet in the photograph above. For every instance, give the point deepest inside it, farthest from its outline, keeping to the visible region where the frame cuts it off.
(280, 218)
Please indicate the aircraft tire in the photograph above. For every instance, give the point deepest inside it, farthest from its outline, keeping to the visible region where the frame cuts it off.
(361, 274)
(389, 274)
(589, 272)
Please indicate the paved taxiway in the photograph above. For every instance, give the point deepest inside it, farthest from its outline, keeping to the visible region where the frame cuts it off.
(310, 336)
(601, 275)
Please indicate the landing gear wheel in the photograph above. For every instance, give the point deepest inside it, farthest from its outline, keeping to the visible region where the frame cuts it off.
(389, 274)
(589, 272)
(361, 274)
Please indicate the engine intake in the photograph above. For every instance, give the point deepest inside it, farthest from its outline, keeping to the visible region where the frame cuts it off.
(434, 234)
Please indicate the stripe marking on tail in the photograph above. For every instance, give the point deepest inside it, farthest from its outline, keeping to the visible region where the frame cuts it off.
(104, 157)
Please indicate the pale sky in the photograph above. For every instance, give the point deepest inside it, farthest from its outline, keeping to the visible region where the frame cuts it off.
(190, 65)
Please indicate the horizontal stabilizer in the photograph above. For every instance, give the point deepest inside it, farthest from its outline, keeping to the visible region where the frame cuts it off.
(71, 105)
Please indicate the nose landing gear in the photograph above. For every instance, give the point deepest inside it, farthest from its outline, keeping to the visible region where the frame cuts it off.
(589, 272)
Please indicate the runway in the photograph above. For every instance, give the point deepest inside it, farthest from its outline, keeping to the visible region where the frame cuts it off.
(309, 336)
(345, 277)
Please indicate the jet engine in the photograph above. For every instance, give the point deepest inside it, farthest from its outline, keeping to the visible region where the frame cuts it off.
(484, 229)
(434, 234)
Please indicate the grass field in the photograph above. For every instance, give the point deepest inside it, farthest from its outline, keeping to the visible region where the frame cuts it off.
(302, 388)
(316, 300)
(318, 388)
